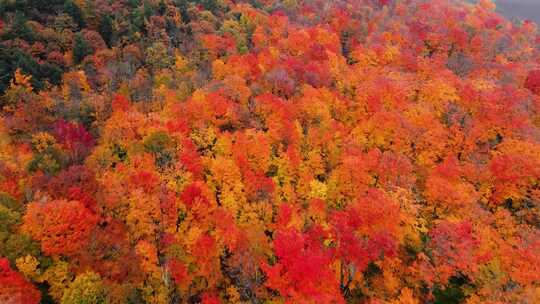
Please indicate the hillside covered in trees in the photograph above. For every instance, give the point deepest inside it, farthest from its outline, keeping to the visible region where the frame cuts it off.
(268, 151)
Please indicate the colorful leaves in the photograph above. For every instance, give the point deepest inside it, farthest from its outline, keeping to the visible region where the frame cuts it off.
(86, 288)
(179, 271)
(62, 227)
(445, 187)
(120, 103)
(14, 288)
(453, 246)
(533, 82)
(367, 230)
(515, 169)
(209, 298)
(143, 215)
(73, 137)
(279, 151)
(302, 272)
(193, 197)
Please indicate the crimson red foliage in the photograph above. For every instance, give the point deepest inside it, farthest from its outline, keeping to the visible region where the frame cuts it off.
(14, 288)
(533, 82)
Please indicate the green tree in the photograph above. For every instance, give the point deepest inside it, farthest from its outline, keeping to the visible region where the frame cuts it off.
(105, 29)
(19, 28)
(12, 244)
(13, 58)
(75, 12)
(81, 48)
(211, 5)
(87, 288)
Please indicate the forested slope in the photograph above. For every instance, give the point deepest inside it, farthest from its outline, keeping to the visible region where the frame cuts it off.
(295, 151)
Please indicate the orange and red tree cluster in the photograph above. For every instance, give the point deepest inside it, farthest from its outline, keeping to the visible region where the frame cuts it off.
(297, 151)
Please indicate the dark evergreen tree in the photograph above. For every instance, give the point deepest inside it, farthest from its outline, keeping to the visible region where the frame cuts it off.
(134, 3)
(183, 6)
(162, 8)
(211, 5)
(81, 48)
(75, 12)
(105, 29)
(45, 6)
(12, 59)
(148, 10)
(137, 20)
(19, 28)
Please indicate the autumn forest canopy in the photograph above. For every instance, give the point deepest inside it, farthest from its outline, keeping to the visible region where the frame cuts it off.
(268, 151)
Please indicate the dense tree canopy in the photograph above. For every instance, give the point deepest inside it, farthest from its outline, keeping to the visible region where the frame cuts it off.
(276, 151)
